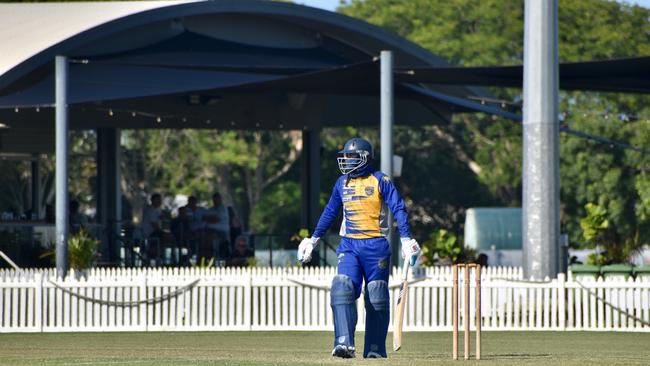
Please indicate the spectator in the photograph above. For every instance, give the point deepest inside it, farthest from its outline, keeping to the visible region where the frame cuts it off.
(152, 217)
(241, 254)
(236, 227)
(77, 220)
(180, 226)
(217, 226)
(482, 259)
(216, 217)
(195, 214)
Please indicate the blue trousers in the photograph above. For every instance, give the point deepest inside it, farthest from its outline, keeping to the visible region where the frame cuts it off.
(362, 260)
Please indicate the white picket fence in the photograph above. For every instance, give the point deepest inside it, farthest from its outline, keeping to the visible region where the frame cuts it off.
(298, 299)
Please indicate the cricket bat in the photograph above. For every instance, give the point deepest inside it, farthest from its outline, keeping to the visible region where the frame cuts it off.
(401, 306)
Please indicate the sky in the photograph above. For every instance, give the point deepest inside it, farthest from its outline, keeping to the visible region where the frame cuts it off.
(332, 4)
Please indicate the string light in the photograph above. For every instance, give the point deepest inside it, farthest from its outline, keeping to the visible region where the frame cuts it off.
(110, 112)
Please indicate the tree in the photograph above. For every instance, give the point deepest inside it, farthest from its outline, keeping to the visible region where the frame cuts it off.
(241, 165)
(485, 33)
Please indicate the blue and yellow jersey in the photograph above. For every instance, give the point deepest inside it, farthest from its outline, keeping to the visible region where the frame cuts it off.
(365, 201)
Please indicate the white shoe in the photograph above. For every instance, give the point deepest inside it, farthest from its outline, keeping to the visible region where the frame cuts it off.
(343, 351)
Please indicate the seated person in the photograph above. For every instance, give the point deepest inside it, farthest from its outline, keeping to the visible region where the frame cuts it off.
(152, 225)
(239, 257)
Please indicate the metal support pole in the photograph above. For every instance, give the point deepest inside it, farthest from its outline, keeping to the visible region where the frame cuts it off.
(109, 195)
(310, 178)
(36, 188)
(541, 183)
(386, 128)
(310, 166)
(61, 210)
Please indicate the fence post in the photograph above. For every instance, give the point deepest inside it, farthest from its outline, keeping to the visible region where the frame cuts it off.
(38, 303)
(142, 306)
(248, 288)
(561, 300)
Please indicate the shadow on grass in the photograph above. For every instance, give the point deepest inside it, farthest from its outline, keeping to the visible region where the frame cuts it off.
(518, 356)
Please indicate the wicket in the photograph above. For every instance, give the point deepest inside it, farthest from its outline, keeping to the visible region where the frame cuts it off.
(466, 320)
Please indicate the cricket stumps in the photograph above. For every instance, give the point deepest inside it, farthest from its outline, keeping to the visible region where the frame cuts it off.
(466, 307)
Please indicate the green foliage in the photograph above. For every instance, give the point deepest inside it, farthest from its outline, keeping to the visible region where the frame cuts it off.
(490, 32)
(595, 223)
(597, 259)
(445, 247)
(302, 233)
(278, 210)
(473, 161)
(599, 232)
(252, 261)
(204, 263)
(82, 251)
(246, 167)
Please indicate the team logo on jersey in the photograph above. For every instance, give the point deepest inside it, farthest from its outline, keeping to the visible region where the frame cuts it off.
(382, 264)
(370, 191)
(386, 178)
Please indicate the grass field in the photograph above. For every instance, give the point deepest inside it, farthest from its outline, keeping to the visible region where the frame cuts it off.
(311, 348)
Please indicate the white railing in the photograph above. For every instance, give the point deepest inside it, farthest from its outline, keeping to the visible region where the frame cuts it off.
(298, 299)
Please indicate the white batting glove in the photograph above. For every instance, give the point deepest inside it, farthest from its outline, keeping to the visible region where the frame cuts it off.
(305, 248)
(410, 248)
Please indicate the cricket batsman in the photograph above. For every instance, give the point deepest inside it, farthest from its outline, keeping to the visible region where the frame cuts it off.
(363, 253)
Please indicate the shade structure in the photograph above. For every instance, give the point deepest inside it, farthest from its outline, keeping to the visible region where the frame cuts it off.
(208, 64)
(244, 64)
(627, 75)
(224, 64)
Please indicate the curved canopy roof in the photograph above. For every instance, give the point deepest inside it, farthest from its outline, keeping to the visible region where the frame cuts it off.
(234, 64)
(224, 64)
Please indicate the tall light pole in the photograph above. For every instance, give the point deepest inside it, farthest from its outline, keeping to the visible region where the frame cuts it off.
(61, 175)
(541, 172)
